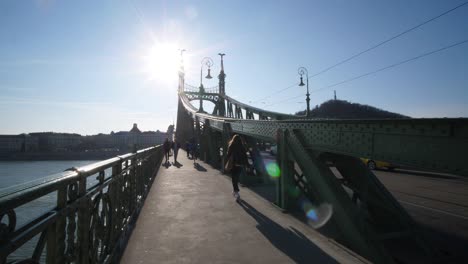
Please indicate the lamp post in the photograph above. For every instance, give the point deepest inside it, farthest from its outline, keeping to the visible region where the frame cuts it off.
(208, 62)
(301, 72)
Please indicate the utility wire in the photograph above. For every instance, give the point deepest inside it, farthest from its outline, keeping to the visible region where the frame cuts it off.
(392, 66)
(285, 100)
(388, 40)
(276, 92)
(378, 70)
(369, 49)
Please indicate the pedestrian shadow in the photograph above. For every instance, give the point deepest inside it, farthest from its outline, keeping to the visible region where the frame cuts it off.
(199, 167)
(289, 240)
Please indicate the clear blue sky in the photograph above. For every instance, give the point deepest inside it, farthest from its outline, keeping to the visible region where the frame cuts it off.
(79, 66)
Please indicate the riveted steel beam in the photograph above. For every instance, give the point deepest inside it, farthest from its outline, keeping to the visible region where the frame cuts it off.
(430, 144)
(352, 228)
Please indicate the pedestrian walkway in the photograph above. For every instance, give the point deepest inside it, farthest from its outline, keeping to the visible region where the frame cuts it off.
(190, 216)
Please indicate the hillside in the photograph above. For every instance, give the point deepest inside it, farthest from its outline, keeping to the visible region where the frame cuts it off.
(346, 110)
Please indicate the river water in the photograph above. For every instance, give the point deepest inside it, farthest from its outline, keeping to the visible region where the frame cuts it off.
(18, 172)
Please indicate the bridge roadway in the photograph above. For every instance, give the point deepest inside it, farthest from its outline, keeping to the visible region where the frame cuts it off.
(190, 216)
(438, 202)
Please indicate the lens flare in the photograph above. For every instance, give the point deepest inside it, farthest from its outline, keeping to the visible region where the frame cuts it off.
(316, 216)
(273, 170)
(312, 215)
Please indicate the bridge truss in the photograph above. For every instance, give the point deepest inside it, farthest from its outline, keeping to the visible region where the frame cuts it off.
(366, 217)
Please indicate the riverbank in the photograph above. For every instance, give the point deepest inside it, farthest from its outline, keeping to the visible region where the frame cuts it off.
(44, 156)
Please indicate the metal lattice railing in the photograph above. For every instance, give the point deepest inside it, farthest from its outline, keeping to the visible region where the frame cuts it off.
(193, 89)
(91, 217)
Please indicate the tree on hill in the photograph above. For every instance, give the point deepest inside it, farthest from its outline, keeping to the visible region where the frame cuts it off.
(341, 109)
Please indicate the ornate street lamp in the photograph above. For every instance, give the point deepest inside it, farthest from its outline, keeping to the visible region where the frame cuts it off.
(208, 62)
(301, 72)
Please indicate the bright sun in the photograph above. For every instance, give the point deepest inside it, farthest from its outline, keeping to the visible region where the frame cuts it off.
(162, 61)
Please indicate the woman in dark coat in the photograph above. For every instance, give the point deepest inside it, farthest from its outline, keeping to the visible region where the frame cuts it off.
(236, 159)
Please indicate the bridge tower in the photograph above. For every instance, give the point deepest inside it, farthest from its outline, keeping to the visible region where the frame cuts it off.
(190, 127)
(221, 105)
(184, 129)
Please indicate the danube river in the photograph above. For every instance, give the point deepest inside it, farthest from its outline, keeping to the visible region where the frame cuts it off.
(18, 172)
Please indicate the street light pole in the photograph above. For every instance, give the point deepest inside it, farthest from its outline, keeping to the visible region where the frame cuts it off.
(301, 72)
(207, 61)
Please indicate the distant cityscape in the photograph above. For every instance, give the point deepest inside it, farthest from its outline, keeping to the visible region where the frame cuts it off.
(122, 141)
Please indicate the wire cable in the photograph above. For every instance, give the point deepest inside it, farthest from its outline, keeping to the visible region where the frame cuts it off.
(378, 70)
(392, 65)
(388, 40)
(370, 48)
(285, 100)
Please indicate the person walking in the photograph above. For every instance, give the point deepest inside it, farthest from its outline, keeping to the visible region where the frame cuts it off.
(236, 159)
(175, 149)
(187, 148)
(166, 149)
(193, 146)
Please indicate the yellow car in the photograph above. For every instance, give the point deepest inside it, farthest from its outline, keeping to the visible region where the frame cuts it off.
(377, 164)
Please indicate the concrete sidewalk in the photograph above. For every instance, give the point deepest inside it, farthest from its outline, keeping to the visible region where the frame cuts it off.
(190, 216)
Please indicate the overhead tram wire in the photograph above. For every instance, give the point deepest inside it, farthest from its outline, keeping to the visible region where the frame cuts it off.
(393, 65)
(285, 100)
(371, 48)
(388, 40)
(276, 92)
(376, 71)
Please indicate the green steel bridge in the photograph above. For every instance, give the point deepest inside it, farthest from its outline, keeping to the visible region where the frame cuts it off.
(97, 205)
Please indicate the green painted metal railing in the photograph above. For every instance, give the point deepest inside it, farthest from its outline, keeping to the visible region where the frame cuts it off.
(92, 218)
(436, 144)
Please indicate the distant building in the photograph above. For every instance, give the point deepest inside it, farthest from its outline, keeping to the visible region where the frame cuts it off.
(18, 143)
(135, 129)
(50, 141)
(126, 140)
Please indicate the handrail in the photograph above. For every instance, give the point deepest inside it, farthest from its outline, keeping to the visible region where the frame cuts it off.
(91, 218)
(271, 114)
(193, 89)
(259, 110)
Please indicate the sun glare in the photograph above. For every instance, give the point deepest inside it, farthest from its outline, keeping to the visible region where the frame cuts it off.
(162, 62)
